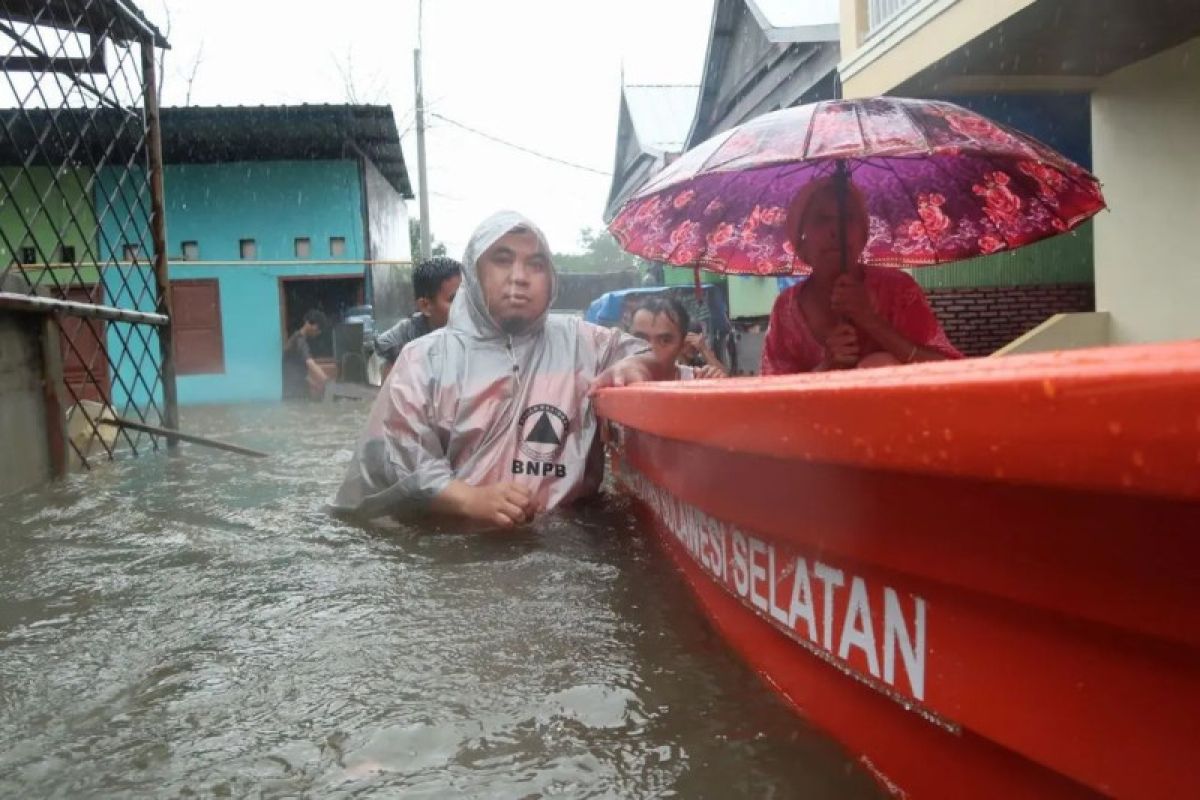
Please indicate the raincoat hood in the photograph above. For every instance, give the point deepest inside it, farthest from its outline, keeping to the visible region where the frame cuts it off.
(471, 403)
(469, 312)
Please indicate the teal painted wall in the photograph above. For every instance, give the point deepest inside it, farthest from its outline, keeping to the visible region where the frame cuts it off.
(217, 205)
(122, 201)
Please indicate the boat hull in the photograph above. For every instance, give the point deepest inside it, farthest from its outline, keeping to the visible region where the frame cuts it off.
(958, 631)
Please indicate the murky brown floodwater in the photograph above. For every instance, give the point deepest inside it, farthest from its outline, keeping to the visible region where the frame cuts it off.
(197, 626)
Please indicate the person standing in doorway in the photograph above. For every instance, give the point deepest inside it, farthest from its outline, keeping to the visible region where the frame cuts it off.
(303, 378)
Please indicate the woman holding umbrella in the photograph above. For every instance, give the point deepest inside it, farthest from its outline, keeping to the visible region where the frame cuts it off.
(863, 316)
(788, 193)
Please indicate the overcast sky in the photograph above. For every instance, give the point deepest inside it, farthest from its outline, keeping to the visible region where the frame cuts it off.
(544, 74)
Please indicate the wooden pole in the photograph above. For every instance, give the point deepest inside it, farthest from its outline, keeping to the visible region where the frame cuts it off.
(158, 231)
(178, 436)
(422, 172)
(54, 398)
(841, 179)
(49, 305)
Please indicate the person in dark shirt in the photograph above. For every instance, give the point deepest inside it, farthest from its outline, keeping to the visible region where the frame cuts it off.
(302, 377)
(435, 282)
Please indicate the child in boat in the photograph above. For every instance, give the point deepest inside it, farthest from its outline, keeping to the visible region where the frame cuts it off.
(661, 321)
(863, 316)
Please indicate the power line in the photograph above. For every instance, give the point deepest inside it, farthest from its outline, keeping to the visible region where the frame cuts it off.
(526, 150)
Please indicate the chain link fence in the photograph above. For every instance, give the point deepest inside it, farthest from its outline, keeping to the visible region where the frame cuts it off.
(82, 234)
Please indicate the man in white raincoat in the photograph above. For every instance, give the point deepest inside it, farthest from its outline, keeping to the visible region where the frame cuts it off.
(490, 418)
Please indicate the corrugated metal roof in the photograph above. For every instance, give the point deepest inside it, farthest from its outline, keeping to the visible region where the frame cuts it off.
(118, 19)
(797, 13)
(209, 135)
(662, 115)
(816, 34)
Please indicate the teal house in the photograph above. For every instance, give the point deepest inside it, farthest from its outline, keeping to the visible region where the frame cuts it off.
(270, 211)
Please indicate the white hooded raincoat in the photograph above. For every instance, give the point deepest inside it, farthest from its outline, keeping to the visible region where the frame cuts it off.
(472, 403)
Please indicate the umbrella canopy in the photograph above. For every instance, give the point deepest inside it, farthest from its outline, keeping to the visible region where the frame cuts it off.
(941, 184)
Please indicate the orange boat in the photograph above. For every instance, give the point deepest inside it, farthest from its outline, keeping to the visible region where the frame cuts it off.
(982, 577)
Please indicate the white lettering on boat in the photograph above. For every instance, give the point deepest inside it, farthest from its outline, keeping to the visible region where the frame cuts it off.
(842, 617)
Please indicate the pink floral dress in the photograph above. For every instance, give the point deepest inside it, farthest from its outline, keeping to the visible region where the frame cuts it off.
(790, 346)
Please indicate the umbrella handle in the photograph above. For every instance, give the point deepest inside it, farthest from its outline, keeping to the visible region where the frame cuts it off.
(841, 177)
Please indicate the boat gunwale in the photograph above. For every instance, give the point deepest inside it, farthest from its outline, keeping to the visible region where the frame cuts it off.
(1122, 419)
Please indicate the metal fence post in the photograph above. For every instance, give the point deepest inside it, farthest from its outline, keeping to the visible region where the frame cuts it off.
(158, 231)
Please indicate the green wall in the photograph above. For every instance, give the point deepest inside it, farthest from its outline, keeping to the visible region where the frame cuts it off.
(32, 208)
(1062, 259)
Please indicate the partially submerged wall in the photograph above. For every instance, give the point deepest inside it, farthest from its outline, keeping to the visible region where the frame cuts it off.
(26, 458)
(387, 240)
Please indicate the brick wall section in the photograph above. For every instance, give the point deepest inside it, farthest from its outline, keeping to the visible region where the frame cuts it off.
(980, 320)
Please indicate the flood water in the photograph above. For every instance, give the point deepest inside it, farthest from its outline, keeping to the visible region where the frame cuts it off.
(197, 626)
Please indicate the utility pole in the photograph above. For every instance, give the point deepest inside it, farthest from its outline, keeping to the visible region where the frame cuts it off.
(422, 174)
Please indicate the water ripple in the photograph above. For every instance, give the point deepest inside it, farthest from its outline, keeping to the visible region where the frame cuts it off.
(197, 626)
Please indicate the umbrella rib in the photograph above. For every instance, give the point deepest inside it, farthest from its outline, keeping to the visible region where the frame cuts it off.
(783, 173)
(1042, 157)
(729, 177)
(1035, 194)
(907, 193)
(1079, 184)
(992, 162)
(913, 121)
(709, 165)
(862, 133)
(983, 151)
(812, 124)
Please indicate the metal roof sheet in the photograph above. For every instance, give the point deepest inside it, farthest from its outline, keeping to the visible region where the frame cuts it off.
(797, 13)
(211, 134)
(661, 115)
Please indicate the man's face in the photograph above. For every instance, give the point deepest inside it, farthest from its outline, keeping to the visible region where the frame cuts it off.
(312, 330)
(437, 308)
(515, 276)
(663, 335)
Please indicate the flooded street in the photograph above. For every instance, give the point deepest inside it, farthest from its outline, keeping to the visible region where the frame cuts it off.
(197, 626)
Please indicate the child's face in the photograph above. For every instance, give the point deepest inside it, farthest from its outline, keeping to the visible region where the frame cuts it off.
(437, 308)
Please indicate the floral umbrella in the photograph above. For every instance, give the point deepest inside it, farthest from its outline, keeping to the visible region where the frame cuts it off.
(941, 183)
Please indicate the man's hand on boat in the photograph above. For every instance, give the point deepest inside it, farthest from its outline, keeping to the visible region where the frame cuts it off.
(503, 504)
(631, 370)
